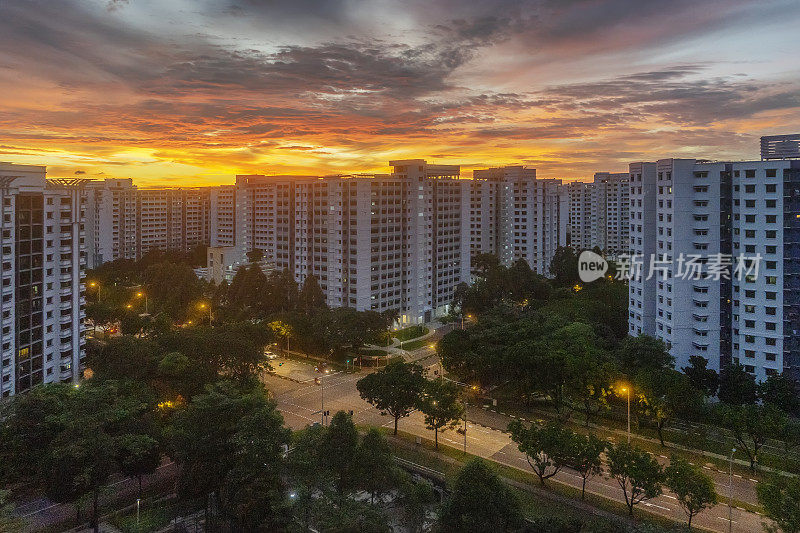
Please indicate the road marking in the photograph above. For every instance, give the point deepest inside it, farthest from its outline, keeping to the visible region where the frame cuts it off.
(650, 504)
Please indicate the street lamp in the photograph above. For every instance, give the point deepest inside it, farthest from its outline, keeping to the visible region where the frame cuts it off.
(322, 395)
(628, 391)
(465, 425)
(95, 285)
(730, 490)
(129, 306)
(203, 305)
(141, 294)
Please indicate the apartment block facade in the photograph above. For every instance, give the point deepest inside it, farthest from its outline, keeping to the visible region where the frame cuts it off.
(374, 242)
(125, 222)
(42, 238)
(598, 213)
(516, 215)
(691, 216)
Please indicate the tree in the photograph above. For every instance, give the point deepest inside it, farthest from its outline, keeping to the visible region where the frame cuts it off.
(752, 425)
(636, 354)
(344, 327)
(139, 454)
(701, 378)
(255, 255)
(84, 453)
(247, 290)
(781, 391)
(780, 498)
(545, 447)
(307, 468)
(125, 358)
(30, 422)
(564, 266)
(172, 287)
(480, 502)
(253, 495)
(282, 329)
(340, 447)
(374, 459)
(638, 475)
(587, 374)
(396, 389)
(9, 522)
(694, 490)
(202, 435)
(99, 313)
(415, 498)
(440, 405)
(583, 456)
(737, 386)
(663, 395)
(311, 296)
(486, 265)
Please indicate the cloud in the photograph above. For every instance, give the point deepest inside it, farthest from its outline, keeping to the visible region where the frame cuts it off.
(322, 85)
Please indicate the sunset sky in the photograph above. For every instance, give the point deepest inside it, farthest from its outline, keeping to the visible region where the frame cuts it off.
(191, 92)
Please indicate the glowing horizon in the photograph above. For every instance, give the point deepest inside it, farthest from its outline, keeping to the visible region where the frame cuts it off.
(191, 93)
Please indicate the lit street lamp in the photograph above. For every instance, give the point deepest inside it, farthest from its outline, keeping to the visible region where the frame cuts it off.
(95, 285)
(141, 294)
(628, 390)
(203, 305)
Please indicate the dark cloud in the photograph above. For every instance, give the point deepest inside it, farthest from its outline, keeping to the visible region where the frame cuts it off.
(191, 96)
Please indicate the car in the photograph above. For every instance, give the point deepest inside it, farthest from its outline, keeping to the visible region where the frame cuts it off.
(270, 355)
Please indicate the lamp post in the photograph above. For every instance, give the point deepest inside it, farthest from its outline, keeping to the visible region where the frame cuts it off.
(138, 501)
(95, 285)
(141, 294)
(465, 425)
(322, 396)
(730, 490)
(628, 391)
(203, 305)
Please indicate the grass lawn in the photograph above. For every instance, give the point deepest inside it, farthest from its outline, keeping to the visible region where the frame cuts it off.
(413, 345)
(411, 332)
(151, 519)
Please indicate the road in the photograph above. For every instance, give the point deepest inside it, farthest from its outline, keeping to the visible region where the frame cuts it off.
(43, 513)
(300, 401)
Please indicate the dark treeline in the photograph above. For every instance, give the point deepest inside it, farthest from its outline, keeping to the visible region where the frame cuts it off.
(565, 343)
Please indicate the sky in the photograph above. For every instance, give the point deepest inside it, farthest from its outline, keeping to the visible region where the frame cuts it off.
(192, 92)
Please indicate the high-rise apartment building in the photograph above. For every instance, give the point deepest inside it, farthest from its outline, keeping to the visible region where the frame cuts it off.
(583, 216)
(172, 219)
(515, 215)
(125, 222)
(43, 260)
(111, 225)
(374, 242)
(738, 224)
(222, 214)
(612, 212)
(598, 213)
